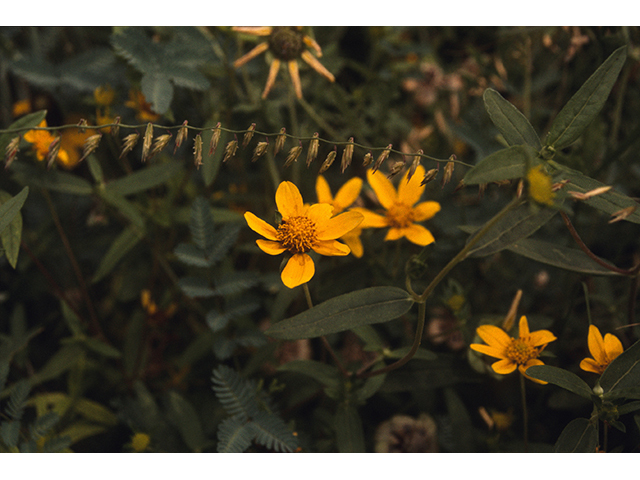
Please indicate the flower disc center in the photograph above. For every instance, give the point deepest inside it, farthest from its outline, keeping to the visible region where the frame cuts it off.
(286, 43)
(297, 234)
(521, 352)
(400, 215)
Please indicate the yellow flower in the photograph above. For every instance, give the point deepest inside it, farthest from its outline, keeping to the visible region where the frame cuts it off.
(41, 139)
(286, 44)
(520, 353)
(302, 229)
(104, 95)
(401, 211)
(347, 194)
(21, 107)
(141, 106)
(540, 186)
(604, 351)
(140, 442)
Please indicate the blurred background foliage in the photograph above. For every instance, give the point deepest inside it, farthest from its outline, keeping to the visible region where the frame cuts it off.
(132, 317)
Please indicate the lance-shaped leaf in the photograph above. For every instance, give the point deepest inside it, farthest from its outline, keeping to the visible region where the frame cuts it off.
(326, 374)
(349, 432)
(505, 164)
(362, 307)
(624, 372)
(585, 105)
(11, 223)
(561, 378)
(145, 178)
(512, 124)
(122, 244)
(579, 436)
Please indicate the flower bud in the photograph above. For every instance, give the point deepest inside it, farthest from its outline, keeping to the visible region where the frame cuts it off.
(313, 149)
(396, 168)
(260, 150)
(215, 138)
(182, 134)
(81, 125)
(280, 140)
(347, 155)
(230, 150)
(328, 161)
(129, 142)
(248, 135)
(90, 145)
(159, 144)
(622, 214)
(368, 158)
(383, 156)
(293, 155)
(11, 151)
(414, 164)
(430, 175)
(146, 142)
(54, 148)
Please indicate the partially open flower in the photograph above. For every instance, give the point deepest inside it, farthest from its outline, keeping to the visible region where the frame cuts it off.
(603, 350)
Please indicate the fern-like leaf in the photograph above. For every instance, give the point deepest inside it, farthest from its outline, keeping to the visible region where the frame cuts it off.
(201, 224)
(18, 399)
(223, 241)
(235, 283)
(44, 425)
(235, 435)
(273, 433)
(236, 394)
(10, 433)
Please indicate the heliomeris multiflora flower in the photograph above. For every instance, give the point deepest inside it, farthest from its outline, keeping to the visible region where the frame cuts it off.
(346, 196)
(286, 44)
(540, 186)
(401, 210)
(603, 350)
(302, 229)
(513, 353)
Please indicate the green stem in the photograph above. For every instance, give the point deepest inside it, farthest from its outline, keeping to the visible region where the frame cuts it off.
(525, 415)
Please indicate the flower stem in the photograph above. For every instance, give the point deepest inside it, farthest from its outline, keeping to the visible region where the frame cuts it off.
(525, 415)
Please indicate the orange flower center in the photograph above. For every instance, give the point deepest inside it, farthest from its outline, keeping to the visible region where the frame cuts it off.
(286, 43)
(400, 215)
(297, 234)
(521, 352)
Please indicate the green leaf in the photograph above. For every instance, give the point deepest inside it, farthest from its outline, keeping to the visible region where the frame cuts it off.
(370, 387)
(123, 243)
(326, 374)
(362, 307)
(191, 255)
(128, 209)
(11, 233)
(28, 121)
(184, 417)
(145, 178)
(567, 258)
(561, 378)
(517, 224)
(55, 180)
(349, 433)
(579, 436)
(505, 164)
(195, 287)
(157, 90)
(234, 435)
(513, 125)
(201, 224)
(273, 433)
(623, 372)
(585, 105)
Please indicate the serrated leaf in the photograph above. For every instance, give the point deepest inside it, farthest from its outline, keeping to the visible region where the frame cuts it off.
(579, 436)
(201, 224)
(10, 433)
(513, 125)
(505, 164)
(561, 378)
(348, 427)
(623, 372)
(145, 178)
(234, 435)
(362, 307)
(195, 287)
(191, 255)
(222, 242)
(17, 400)
(235, 283)
(157, 90)
(273, 433)
(558, 256)
(585, 105)
(11, 234)
(122, 244)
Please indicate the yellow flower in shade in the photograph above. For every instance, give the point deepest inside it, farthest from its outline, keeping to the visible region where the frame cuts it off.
(603, 350)
(41, 139)
(401, 212)
(140, 442)
(286, 44)
(302, 229)
(347, 194)
(139, 103)
(520, 353)
(540, 186)
(104, 95)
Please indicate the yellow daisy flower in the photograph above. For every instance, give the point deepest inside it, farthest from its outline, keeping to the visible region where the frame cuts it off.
(604, 351)
(520, 353)
(347, 194)
(139, 103)
(286, 44)
(302, 229)
(401, 212)
(41, 140)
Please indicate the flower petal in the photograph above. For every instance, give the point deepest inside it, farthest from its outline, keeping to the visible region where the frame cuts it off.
(523, 327)
(298, 270)
(494, 336)
(541, 337)
(331, 248)
(272, 248)
(339, 225)
(419, 235)
(319, 214)
(394, 234)
(410, 192)
(612, 347)
(425, 211)
(289, 200)
(352, 239)
(347, 194)
(590, 365)
(323, 191)
(596, 345)
(260, 226)
(383, 188)
(504, 366)
(488, 350)
(371, 220)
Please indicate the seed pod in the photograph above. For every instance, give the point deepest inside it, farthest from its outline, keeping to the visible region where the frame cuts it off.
(81, 125)
(622, 214)
(159, 143)
(430, 175)
(396, 168)
(313, 149)
(249, 135)
(280, 140)
(129, 142)
(368, 158)
(383, 156)
(11, 151)
(115, 130)
(347, 155)
(230, 150)
(293, 155)
(52, 154)
(590, 193)
(259, 151)
(146, 142)
(197, 150)
(414, 164)
(328, 161)
(215, 138)
(448, 170)
(90, 145)
(182, 134)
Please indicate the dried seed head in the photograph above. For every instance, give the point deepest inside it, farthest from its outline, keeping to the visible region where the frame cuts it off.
(622, 214)
(559, 185)
(448, 170)
(52, 154)
(90, 145)
(260, 150)
(414, 164)
(368, 158)
(396, 168)
(11, 151)
(280, 140)
(590, 193)
(215, 138)
(182, 134)
(313, 149)
(230, 150)
(328, 161)
(507, 323)
(159, 144)
(129, 142)
(347, 155)
(81, 125)
(293, 155)
(197, 150)
(520, 188)
(248, 135)
(430, 175)
(383, 156)
(116, 129)
(146, 142)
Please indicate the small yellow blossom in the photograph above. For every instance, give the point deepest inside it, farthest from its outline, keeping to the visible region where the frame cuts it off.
(141, 106)
(287, 44)
(41, 140)
(603, 350)
(21, 107)
(104, 95)
(140, 442)
(401, 212)
(347, 194)
(302, 229)
(520, 353)
(540, 186)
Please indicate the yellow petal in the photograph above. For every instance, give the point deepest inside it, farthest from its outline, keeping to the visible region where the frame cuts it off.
(425, 211)
(531, 363)
(504, 366)
(331, 248)
(488, 350)
(339, 225)
(371, 220)
(394, 234)
(320, 214)
(383, 188)
(298, 270)
(272, 248)
(590, 365)
(418, 234)
(524, 327)
(541, 337)
(260, 226)
(347, 194)
(612, 346)
(352, 239)
(323, 191)
(596, 345)
(494, 336)
(289, 200)
(410, 192)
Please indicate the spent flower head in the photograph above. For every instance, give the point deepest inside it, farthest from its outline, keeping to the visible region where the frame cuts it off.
(603, 350)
